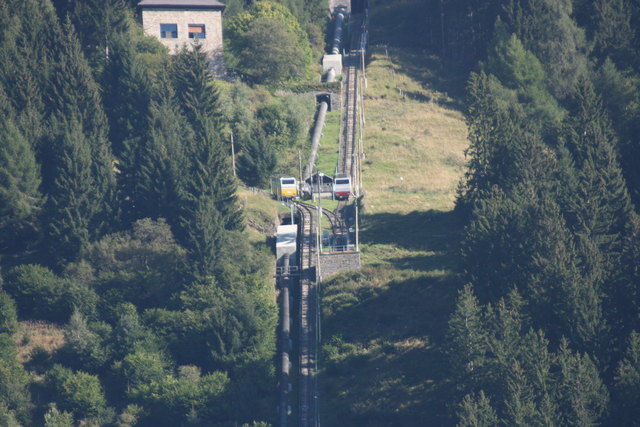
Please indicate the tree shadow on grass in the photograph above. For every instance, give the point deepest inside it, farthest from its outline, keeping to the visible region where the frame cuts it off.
(431, 231)
(392, 370)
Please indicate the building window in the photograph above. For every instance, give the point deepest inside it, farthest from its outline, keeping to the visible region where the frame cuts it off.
(196, 31)
(169, 31)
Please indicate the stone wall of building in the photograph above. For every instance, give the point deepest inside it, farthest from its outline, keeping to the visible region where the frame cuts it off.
(211, 19)
(336, 262)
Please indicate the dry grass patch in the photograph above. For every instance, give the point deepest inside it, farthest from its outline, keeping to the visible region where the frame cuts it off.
(37, 334)
(414, 145)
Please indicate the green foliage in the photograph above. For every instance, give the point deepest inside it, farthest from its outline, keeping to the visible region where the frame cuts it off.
(467, 338)
(71, 202)
(268, 44)
(584, 396)
(38, 292)
(84, 345)
(627, 383)
(78, 116)
(127, 99)
(8, 314)
(78, 391)
(219, 328)
(188, 398)
(519, 69)
(99, 23)
(142, 367)
(257, 162)
(20, 198)
(14, 381)
(162, 161)
(55, 418)
(195, 89)
(547, 29)
(143, 265)
(476, 412)
(271, 54)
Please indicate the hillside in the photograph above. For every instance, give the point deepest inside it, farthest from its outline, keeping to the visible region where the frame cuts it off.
(382, 327)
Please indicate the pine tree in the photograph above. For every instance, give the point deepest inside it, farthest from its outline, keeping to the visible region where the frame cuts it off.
(196, 91)
(71, 202)
(547, 29)
(163, 166)
(209, 202)
(75, 94)
(627, 384)
(467, 339)
(477, 412)
(20, 198)
(520, 406)
(584, 397)
(127, 99)
(258, 161)
(99, 23)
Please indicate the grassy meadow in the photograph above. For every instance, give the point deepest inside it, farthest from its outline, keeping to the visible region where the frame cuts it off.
(381, 362)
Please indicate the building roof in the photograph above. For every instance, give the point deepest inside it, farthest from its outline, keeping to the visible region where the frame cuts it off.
(182, 4)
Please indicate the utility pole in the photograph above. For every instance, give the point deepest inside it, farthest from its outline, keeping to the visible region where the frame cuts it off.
(233, 154)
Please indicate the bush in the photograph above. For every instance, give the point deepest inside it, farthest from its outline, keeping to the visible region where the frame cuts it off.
(78, 392)
(38, 292)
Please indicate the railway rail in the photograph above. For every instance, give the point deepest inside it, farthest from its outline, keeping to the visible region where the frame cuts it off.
(308, 324)
(307, 343)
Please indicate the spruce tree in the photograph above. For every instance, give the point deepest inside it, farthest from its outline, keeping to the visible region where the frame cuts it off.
(520, 405)
(76, 95)
(20, 197)
(71, 202)
(627, 384)
(195, 88)
(547, 29)
(257, 161)
(127, 98)
(467, 339)
(600, 211)
(476, 411)
(584, 397)
(163, 165)
(209, 201)
(99, 23)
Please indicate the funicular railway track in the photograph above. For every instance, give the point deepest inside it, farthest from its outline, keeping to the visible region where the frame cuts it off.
(307, 351)
(308, 240)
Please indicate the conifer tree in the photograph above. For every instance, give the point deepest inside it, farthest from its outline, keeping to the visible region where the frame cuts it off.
(209, 201)
(627, 384)
(20, 197)
(520, 405)
(539, 367)
(163, 166)
(476, 411)
(196, 91)
(547, 29)
(75, 96)
(71, 202)
(584, 398)
(519, 69)
(127, 98)
(258, 161)
(99, 23)
(467, 338)
(600, 211)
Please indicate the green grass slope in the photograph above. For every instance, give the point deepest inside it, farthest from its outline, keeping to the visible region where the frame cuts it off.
(381, 361)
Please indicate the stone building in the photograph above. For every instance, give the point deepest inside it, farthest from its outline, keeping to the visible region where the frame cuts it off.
(183, 22)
